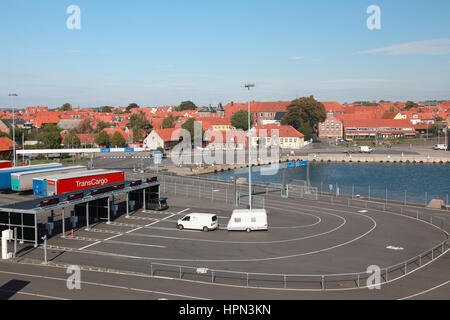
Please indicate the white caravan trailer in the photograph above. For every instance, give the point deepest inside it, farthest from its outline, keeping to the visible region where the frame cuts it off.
(248, 220)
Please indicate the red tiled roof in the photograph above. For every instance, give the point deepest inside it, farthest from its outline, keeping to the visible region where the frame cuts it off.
(6, 144)
(168, 135)
(283, 131)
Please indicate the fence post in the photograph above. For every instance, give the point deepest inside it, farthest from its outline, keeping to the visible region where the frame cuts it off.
(323, 282)
(406, 268)
(180, 272)
(212, 276)
(386, 280)
(359, 277)
(284, 281)
(247, 279)
(151, 269)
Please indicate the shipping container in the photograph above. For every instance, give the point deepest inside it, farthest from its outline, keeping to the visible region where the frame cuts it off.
(72, 182)
(5, 164)
(5, 174)
(23, 181)
(40, 184)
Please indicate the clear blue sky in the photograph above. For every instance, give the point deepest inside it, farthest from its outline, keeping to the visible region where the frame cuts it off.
(163, 52)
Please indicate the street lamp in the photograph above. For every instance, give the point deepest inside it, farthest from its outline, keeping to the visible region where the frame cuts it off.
(249, 86)
(12, 95)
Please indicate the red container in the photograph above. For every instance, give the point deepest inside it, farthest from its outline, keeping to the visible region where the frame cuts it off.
(63, 184)
(5, 164)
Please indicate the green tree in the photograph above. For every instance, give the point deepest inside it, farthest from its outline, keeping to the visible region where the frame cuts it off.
(186, 105)
(189, 126)
(132, 106)
(66, 107)
(140, 126)
(239, 120)
(85, 127)
(305, 114)
(118, 140)
(102, 125)
(72, 140)
(50, 137)
(438, 118)
(103, 139)
(410, 105)
(168, 122)
(106, 109)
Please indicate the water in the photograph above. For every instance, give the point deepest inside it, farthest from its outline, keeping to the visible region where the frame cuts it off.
(418, 182)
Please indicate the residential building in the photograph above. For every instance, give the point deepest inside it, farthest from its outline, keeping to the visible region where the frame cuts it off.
(287, 137)
(331, 128)
(162, 138)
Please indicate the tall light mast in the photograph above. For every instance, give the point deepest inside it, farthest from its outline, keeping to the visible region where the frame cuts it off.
(249, 86)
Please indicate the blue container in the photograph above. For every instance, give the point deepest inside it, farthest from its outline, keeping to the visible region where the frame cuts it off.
(5, 174)
(40, 187)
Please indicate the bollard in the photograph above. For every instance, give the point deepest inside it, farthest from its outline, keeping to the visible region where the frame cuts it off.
(323, 283)
(386, 280)
(284, 281)
(247, 279)
(45, 249)
(151, 269)
(406, 266)
(15, 243)
(72, 233)
(212, 276)
(359, 276)
(180, 272)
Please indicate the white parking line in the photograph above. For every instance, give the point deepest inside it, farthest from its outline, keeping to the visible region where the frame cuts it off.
(426, 291)
(90, 245)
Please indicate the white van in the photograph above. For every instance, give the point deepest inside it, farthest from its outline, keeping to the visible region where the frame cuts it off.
(248, 220)
(199, 221)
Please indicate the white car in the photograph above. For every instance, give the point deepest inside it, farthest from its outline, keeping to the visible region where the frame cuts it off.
(199, 221)
(440, 147)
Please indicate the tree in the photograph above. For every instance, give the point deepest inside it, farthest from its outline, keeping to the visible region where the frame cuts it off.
(410, 105)
(186, 105)
(102, 125)
(239, 120)
(132, 106)
(189, 126)
(140, 126)
(50, 137)
(85, 127)
(72, 140)
(305, 114)
(103, 139)
(106, 109)
(438, 119)
(168, 122)
(118, 140)
(66, 107)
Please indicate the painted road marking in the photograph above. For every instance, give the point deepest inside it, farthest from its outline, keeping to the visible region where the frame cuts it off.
(395, 248)
(426, 291)
(103, 285)
(90, 245)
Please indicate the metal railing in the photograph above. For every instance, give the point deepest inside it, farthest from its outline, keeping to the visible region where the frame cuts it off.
(296, 281)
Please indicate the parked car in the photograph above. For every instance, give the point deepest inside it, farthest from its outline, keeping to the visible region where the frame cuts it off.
(158, 204)
(199, 221)
(440, 147)
(365, 149)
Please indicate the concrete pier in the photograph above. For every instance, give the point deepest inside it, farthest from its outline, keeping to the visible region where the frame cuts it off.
(339, 158)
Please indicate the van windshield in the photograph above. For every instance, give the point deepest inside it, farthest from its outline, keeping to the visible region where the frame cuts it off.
(214, 219)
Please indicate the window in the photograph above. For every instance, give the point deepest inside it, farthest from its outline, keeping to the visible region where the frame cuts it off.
(214, 219)
(187, 219)
(253, 219)
(237, 220)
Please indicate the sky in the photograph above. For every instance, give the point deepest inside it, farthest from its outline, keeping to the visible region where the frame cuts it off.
(163, 52)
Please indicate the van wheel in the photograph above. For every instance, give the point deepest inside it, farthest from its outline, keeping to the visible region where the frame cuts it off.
(180, 227)
(248, 230)
(205, 229)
